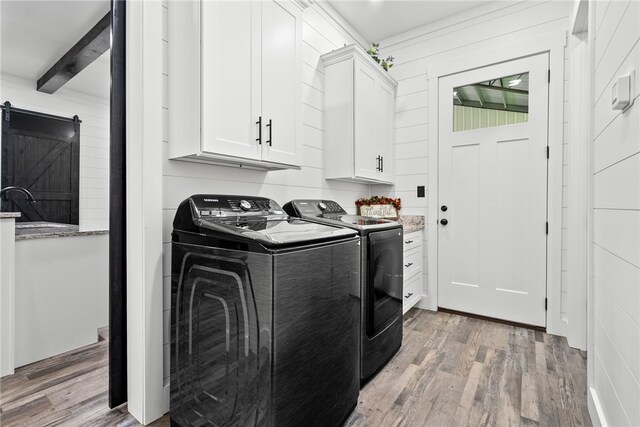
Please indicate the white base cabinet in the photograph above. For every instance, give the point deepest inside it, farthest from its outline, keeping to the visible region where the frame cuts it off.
(359, 117)
(235, 82)
(412, 260)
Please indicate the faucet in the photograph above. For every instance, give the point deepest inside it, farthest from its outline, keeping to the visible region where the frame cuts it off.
(30, 198)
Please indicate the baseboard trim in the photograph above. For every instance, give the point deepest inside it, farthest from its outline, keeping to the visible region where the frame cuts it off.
(425, 304)
(595, 409)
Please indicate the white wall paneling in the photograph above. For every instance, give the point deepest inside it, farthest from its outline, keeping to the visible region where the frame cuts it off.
(613, 337)
(61, 295)
(94, 140)
(7, 295)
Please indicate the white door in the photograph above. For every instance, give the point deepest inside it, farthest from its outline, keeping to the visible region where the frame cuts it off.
(493, 181)
(366, 155)
(230, 90)
(281, 82)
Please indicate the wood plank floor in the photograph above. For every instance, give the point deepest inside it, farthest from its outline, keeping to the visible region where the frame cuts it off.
(459, 371)
(451, 371)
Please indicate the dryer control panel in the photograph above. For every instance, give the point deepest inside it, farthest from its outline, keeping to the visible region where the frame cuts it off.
(313, 208)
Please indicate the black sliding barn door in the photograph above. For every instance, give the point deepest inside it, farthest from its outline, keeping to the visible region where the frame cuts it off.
(41, 153)
(117, 213)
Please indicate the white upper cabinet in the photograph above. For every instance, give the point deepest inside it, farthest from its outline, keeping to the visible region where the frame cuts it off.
(235, 83)
(281, 81)
(359, 114)
(230, 103)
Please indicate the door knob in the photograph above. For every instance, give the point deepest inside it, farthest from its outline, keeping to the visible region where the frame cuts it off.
(444, 221)
(444, 208)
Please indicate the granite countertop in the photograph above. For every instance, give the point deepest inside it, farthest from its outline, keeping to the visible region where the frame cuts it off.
(411, 223)
(9, 215)
(43, 230)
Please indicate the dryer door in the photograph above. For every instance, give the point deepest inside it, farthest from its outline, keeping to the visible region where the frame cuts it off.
(384, 280)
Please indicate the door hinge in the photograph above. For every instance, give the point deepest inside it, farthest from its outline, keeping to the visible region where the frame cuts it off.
(547, 151)
(548, 76)
(547, 228)
(546, 304)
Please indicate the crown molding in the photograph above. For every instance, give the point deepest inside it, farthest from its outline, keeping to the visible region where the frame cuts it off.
(302, 4)
(353, 50)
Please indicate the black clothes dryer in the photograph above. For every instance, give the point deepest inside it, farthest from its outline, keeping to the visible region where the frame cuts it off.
(381, 274)
(265, 316)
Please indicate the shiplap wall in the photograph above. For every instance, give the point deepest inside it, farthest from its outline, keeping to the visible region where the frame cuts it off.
(181, 179)
(616, 215)
(94, 140)
(470, 32)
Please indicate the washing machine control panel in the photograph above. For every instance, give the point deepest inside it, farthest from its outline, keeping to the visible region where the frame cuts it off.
(215, 206)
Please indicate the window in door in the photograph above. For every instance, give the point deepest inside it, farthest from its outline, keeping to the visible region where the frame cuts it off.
(497, 102)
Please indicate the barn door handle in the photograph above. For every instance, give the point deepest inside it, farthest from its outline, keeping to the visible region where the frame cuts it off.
(444, 221)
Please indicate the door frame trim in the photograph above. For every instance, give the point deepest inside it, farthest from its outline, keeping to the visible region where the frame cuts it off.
(147, 393)
(553, 43)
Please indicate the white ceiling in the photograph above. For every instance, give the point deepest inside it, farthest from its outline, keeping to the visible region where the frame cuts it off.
(376, 20)
(35, 34)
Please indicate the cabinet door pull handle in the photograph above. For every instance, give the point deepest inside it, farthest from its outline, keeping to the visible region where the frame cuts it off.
(378, 163)
(259, 123)
(408, 265)
(270, 126)
(381, 163)
(408, 242)
(408, 295)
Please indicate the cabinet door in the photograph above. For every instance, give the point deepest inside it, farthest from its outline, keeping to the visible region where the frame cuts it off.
(365, 128)
(385, 119)
(281, 82)
(230, 60)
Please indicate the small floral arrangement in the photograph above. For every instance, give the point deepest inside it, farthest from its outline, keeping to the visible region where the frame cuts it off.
(374, 52)
(378, 200)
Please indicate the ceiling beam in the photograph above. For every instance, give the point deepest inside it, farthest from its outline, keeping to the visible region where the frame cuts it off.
(504, 95)
(479, 95)
(90, 47)
(500, 88)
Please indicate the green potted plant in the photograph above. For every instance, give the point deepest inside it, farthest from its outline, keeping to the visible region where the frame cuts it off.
(374, 53)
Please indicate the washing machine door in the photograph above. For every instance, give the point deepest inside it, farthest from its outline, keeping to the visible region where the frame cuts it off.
(384, 280)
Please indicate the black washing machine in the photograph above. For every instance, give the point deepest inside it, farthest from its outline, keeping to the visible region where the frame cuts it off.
(381, 274)
(265, 316)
